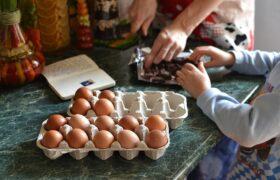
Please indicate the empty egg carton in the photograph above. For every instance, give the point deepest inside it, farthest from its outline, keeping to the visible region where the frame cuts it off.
(141, 104)
(103, 154)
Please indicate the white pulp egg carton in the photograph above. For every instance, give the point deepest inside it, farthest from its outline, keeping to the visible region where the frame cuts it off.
(141, 104)
(103, 154)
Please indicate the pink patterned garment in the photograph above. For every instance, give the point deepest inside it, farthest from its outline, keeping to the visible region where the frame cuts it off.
(230, 26)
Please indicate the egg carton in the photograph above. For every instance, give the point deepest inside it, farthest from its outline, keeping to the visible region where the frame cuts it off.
(103, 154)
(141, 104)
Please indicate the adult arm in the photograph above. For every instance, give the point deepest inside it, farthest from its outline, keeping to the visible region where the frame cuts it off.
(172, 39)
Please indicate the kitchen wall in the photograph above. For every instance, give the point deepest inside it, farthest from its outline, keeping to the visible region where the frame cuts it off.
(267, 29)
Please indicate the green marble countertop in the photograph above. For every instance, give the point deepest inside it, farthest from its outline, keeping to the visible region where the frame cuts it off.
(23, 110)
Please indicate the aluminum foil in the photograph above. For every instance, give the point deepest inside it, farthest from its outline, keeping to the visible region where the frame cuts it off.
(162, 73)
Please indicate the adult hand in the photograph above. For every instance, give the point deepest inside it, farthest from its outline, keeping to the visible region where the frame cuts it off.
(218, 56)
(194, 80)
(142, 13)
(169, 43)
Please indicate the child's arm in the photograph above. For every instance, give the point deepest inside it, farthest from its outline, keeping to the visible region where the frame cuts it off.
(246, 124)
(255, 62)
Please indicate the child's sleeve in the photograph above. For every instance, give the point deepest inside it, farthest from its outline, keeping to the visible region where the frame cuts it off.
(246, 124)
(254, 62)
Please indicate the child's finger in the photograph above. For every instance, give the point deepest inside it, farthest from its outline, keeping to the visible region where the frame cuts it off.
(202, 51)
(180, 74)
(201, 67)
(179, 81)
(211, 63)
(187, 73)
(189, 66)
(197, 59)
(194, 59)
(197, 51)
(193, 56)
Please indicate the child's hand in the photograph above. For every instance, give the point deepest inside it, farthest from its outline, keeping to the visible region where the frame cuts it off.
(194, 80)
(218, 57)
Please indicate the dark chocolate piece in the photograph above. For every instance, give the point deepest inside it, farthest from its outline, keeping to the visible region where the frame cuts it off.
(162, 73)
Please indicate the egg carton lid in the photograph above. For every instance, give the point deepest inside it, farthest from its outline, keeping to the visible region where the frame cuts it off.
(80, 153)
(168, 104)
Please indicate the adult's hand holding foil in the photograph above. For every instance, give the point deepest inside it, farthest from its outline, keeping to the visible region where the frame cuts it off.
(169, 43)
(172, 40)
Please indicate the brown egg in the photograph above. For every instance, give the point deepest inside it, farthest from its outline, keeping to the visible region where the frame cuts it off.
(128, 139)
(77, 138)
(107, 94)
(155, 122)
(79, 121)
(80, 106)
(129, 122)
(103, 107)
(51, 139)
(156, 139)
(104, 123)
(103, 139)
(55, 121)
(84, 93)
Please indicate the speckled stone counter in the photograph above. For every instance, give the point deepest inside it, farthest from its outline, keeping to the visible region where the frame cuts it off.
(23, 110)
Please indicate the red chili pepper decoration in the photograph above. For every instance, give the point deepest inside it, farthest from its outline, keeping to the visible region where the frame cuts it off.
(84, 31)
(19, 62)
